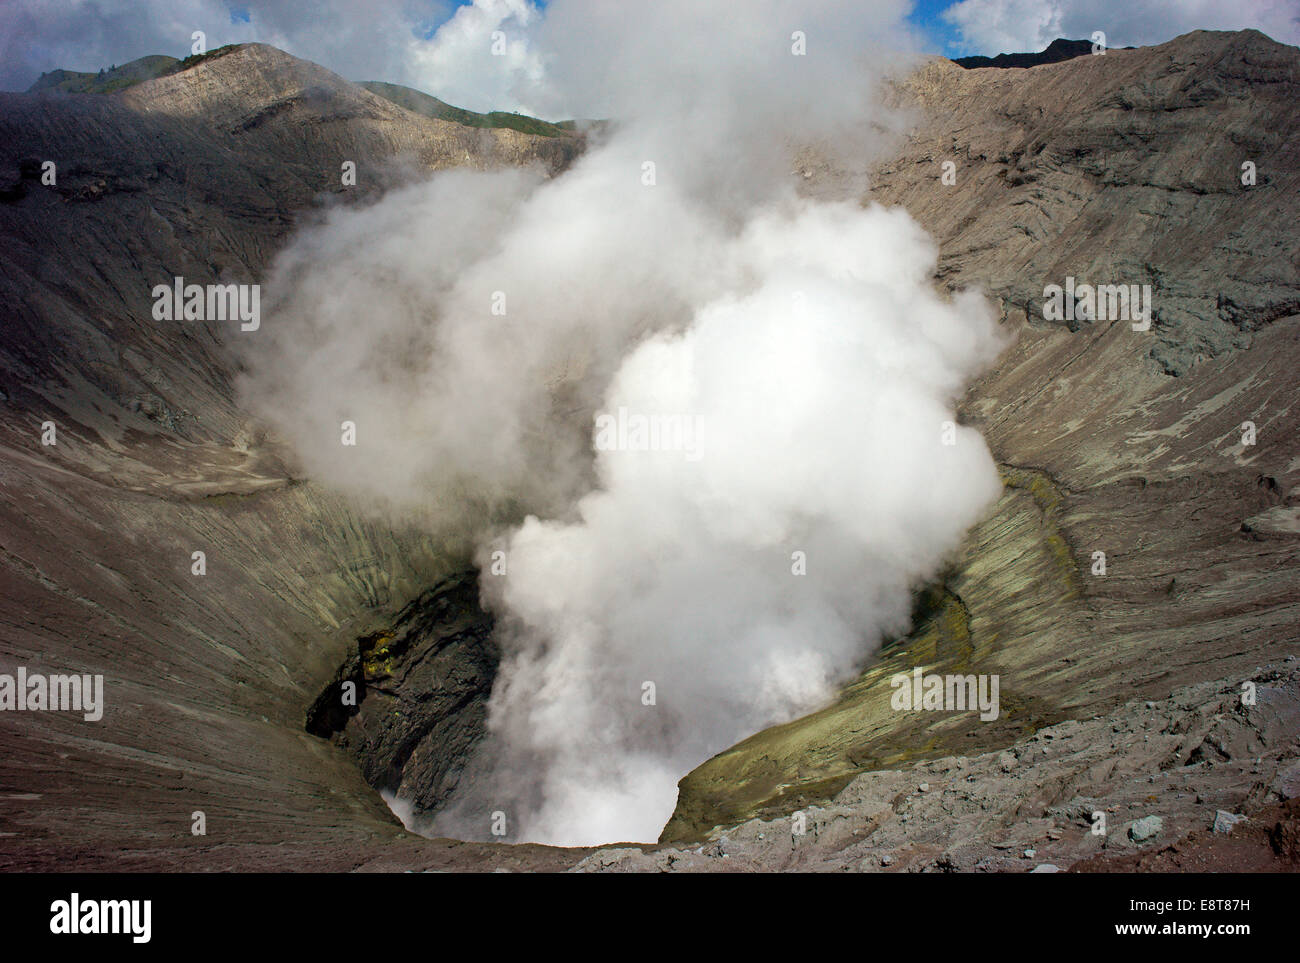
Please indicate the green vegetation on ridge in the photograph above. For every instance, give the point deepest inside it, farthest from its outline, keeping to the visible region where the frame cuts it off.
(108, 81)
(428, 106)
(113, 79)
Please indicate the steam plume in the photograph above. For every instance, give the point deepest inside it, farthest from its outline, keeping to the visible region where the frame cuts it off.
(744, 574)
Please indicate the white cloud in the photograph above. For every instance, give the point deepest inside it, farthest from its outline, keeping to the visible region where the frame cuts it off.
(389, 40)
(466, 65)
(1015, 26)
(392, 40)
(374, 42)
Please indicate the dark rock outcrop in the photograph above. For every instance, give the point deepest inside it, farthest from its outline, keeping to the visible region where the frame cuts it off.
(1058, 50)
(421, 688)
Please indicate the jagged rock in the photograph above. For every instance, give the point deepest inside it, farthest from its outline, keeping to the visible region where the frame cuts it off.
(1103, 756)
(423, 688)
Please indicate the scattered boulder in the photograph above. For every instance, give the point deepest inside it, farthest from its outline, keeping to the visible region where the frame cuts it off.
(1224, 821)
(1145, 828)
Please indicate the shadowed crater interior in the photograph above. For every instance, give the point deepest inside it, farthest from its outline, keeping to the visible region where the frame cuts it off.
(421, 689)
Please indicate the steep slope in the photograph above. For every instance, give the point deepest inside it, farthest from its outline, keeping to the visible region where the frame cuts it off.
(150, 170)
(115, 79)
(1115, 169)
(200, 174)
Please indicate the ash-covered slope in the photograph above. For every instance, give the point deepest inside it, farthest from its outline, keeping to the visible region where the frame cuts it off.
(200, 174)
(1120, 169)
(1117, 169)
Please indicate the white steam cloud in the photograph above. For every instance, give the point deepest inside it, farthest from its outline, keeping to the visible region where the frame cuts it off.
(801, 339)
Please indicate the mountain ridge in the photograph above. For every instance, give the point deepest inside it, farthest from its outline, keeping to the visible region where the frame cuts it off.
(1058, 50)
(1095, 167)
(118, 78)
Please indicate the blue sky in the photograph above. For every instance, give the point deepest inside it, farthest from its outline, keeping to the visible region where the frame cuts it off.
(439, 45)
(940, 33)
(941, 36)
